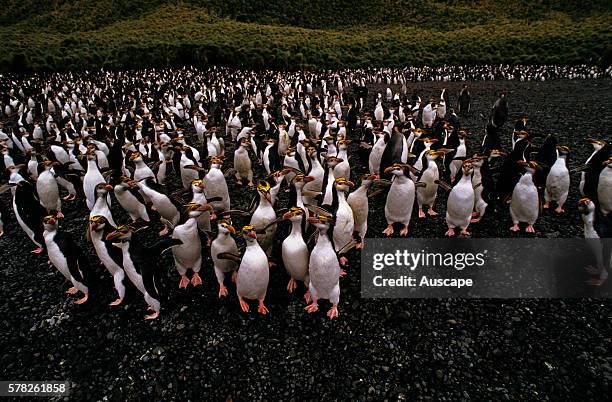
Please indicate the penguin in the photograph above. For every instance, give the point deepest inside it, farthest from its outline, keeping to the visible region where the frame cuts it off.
(525, 203)
(216, 186)
(131, 200)
(459, 156)
(558, 181)
(376, 154)
(480, 205)
(141, 264)
(323, 268)
(604, 188)
(188, 255)
(102, 206)
(460, 203)
(344, 221)
(27, 208)
(253, 273)
(67, 257)
(294, 251)
(464, 101)
(400, 199)
(92, 178)
(599, 247)
(263, 215)
(48, 191)
(429, 175)
(313, 187)
(111, 257)
(395, 151)
(592, 168)
(164, 204)
(242, 163)
(358, 201)
(224, 243)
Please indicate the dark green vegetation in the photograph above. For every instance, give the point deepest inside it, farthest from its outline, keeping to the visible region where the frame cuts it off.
(81, 34)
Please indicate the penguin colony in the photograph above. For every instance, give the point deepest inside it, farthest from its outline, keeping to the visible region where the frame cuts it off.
(153, 147)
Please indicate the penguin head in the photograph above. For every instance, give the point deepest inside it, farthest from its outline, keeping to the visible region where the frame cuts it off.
(397, 169)
(321, 221)
(344, 144)
(496, 153)
(586, 206)
(102, 189)
(244, 143)
(98, 223)
(263, 187)
(563, 150)
(294, 214)
(249, 234)
(121, 234)
(333, 161)
(467, 167)
(50, 222)
(225, 227)
(197, 186)
(530, 167)
(194, 209)
(433, 155)
(597, 144)
(342, 184)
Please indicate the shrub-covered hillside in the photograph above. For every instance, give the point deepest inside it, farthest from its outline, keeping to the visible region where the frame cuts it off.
(80, 34)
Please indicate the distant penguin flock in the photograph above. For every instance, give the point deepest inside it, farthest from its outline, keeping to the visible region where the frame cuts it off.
(152, 149)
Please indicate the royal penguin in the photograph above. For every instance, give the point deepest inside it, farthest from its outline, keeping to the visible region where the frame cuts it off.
(253, 274)
(294, 251)
(460, 203)
(48, 190)
(141, 264)
(130, 199)
(429, 176)
(358, 201)
(110, 256)
(314, 187)
(344, 221)
(263, 215)
(188, 255)
(525, 203)
(323, 268)
(224, 243)
(92, 178)
(216, 186)
(66, 255)
(592, 168)
(166, 205)
(558, 181)
(604, 188)
(27, 208)
(480, 204)
(242, 163)
(400, 199)
(376, 154)
(101, 205)
(600, 248)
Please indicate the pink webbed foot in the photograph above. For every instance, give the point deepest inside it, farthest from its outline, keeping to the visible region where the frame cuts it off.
(389, 230)
(262, 309)
(59, 214)
(431, 212)
(244, 305)
(72, 290)
(546, 205)
(475, 220)
(530, 229)
(250, 184)
(559, 209)
(222, 291)
(307, 297)
(213, 216)
(196, 280)
(239, 182)
(359, 245)
(464, 232)
(450, 232)
(515, 228)
(343, 260)
(342, 273)
(37, 250)
(82, 299)
(292, 285)
(117, 302)
(164, 231)
(404, 231)
(311, 308)
(69, 197)
(421, 213)
(475, 214)
(271, 264)
(333, 312)
(184, 282)
(152, 316)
